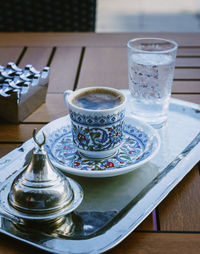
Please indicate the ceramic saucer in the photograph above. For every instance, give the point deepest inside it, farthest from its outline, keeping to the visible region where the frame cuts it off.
(141, 143)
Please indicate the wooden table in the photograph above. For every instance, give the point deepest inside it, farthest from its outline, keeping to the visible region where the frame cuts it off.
(87, 59)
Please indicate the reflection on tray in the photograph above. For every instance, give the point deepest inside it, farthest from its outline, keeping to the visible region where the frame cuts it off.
(86, 224)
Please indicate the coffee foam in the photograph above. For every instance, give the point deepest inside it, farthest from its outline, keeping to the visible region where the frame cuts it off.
(97, 99)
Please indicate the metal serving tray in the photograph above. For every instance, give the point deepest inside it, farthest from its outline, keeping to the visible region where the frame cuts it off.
(113, 207)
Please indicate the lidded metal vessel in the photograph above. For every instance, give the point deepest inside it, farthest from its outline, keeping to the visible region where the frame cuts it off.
(40, 188)
(40, 197)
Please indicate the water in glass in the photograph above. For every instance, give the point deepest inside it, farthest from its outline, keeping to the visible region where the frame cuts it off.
(150, 81)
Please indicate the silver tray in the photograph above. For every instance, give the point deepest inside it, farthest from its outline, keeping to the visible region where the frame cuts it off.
(113, 207)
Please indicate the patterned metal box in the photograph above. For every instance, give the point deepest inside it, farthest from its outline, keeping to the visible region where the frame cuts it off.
(21, 91)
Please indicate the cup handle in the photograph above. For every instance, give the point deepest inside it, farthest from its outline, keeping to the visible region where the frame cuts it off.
(66, 94)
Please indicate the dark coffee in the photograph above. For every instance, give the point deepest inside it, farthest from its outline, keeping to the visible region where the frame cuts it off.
(97, 99)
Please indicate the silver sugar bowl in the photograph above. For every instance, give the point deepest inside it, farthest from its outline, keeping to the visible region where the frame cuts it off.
(40, 195)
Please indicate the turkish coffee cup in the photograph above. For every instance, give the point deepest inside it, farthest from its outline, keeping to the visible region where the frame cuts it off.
(97, 118)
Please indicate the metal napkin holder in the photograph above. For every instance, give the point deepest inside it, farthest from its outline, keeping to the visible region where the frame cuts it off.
(40, 197)
(21, 91)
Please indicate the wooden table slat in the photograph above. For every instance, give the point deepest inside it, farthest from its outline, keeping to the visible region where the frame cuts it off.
(36, 56)
(147, 224)
(188, 52)
(188, 62)
(104, 67)
(9, 54)
(64, 69)
(91, 39)
(180, 210)
(195, 98)
(17, 132)
(49, 111)
(187, 74)
(185, 86)
(6, 148)
(156, 243)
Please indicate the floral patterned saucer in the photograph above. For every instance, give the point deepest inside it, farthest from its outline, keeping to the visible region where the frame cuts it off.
(141, 143)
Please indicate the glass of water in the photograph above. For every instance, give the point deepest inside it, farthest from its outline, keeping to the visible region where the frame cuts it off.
(151, 63)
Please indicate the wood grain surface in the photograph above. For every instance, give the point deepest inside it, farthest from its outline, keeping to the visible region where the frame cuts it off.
(17, 133)
(64, 69)
(157, 243)
(180, 210)
(6, 148)
(51, 110)
(91, 39)
(31, 56)
(9, 54)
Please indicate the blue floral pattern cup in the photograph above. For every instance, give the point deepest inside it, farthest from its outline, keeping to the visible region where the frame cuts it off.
(97, 133)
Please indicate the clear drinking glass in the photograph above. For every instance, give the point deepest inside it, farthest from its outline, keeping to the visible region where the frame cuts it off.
(151, 63)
